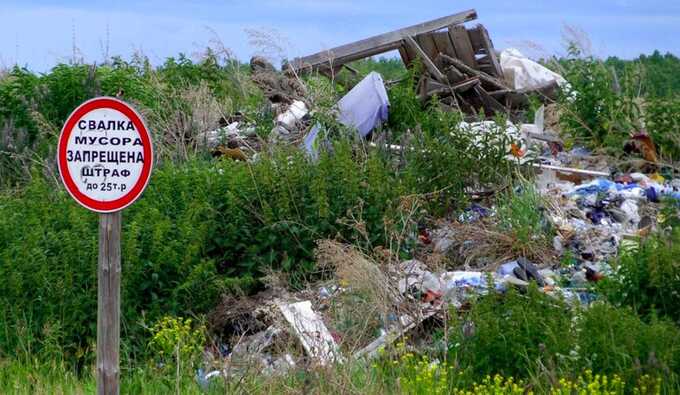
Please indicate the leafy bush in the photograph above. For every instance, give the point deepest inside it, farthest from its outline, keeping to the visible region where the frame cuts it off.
(446, 160)
(520, 215)
(662, 118)
(661, 76)
(648, 278)
(596, 110)
(616, 341)
(199, 230)
(178, 343)
(512, 334)
(536, 337)
(176, 98)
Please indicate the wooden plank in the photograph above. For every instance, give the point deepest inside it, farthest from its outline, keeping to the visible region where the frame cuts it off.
(465, 104)
(487, 68)
(475, 39)
(482, 75)
(351, 69)
(490, 104)
(436, 88)
(412, 55)
(490, 51)
(466, 85)
(426, 42)
(444, 44)
(454, 75)
(380, 43)
(421, 86)
(461, 43)
(108, 304)
(372, 349)
(500, 92)
(404, 56)
(427, 62)
(432, 85)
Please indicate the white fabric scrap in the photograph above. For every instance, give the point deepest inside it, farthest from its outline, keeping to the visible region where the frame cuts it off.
(366, 105)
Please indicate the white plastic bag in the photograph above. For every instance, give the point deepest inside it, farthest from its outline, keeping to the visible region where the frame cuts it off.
(523, 73)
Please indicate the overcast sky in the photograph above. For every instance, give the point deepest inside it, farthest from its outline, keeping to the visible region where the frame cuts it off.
(41, 33)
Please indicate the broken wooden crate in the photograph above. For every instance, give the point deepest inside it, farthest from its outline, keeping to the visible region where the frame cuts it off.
(459, 65)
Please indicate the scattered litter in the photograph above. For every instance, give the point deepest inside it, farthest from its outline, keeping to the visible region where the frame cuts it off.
(312, 332)
(293, 115)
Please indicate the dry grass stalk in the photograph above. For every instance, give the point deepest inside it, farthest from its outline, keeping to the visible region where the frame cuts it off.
(484, 247)
(181, 117)
(359, 272)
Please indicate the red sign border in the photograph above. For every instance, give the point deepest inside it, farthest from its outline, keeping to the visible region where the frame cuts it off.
(140, 185)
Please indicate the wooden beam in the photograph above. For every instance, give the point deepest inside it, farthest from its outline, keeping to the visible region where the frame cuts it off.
(461, 41)
(475, 39)
(491, 52)
(427, 62)
(500, 92)
(426, 42)
(404, 56)
(465, 85)
(454, 75)
(108, 305)
(490, 103)
(371, 350)
(584, 172)
(381, 43)
(469, 70)
(444, 44)
(433, 87)
(351, 69)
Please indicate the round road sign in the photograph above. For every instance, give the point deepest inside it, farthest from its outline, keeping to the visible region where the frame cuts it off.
(105, 154)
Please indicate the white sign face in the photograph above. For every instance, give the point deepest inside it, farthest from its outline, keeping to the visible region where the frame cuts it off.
(105, 155)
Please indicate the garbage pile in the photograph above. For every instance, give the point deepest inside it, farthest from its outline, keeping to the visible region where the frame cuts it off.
(233, 138)
(460, 65)
(594, 207)
(272, 334)
(593, 217)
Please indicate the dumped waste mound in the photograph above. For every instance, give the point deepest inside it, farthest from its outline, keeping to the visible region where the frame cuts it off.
(281, 88)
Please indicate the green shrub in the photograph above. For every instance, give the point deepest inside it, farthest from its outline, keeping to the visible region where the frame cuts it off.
(512, 335)
(596, 111)
(661, 76)
(520, 215)
(616, 341)
(537, 338)
(200, 229)
(172, 97)
(178, 343)
(648, 278)
(446, 160)
(662, 118)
